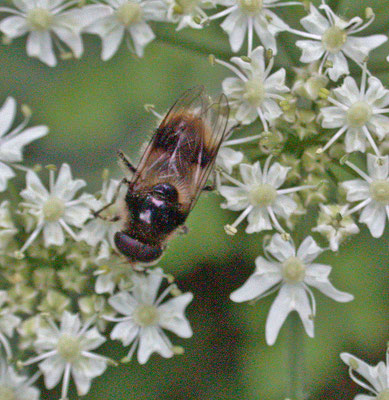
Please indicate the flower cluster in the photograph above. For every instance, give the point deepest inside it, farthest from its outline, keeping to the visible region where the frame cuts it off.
(69, 289)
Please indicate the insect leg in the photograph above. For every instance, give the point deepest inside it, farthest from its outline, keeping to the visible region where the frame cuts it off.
(97, 214)
(126, 161)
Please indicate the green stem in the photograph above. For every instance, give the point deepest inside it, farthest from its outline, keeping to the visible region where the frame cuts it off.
(296, 358)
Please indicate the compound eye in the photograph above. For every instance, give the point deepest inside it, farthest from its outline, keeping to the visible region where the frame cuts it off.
(136, 251)
(166, 191)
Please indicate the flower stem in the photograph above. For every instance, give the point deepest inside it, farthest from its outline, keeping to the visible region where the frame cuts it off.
(296, 358)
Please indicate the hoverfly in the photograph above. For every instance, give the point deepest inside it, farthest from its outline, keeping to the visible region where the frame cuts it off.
(170, 176)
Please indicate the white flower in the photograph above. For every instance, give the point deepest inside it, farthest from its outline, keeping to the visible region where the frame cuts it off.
(145, 317)
(358, 112)
(127, 17)
(8, 323)
(292, 273)
(255, 91)
(14, 386)
(373, 193)
(112, 271)
(335, 224)
(252, 16)
(188, 13)
(66, 352)
(42, 19)
(98, 230)
(13, 142)
(259, 196)
(55, 209)
(7, 227)
(333, 40)
(375, 379)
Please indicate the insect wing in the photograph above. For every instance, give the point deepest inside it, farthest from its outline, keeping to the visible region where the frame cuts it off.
(215, 119)
(157, 162)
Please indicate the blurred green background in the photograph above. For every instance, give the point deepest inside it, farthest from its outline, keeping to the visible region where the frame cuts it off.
(94, 108)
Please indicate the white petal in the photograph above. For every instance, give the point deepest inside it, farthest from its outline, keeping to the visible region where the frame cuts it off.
(312, 50)
(256, 285)
(7, 115)
(379, 124)
(276, 175)
(125, 331)
(315, 22)
(374, 216)
(333, 117)
(236, 197)
(251, 174)
(76, 215)
(35, 191)
(123, 303)
(11, 149)
(6, 173)
(39, 45)
(65, 187)
(71, 38)
(328, 289)
(355, 140)
(364, 370)
(303, 307)
(52, 369)
(14, 26)
(358, 48)
(278, 312)
(172, 315)
(308, 250)
(235, 25)
(84, 371)
(258, 220)
(357, 189)
(141, 35)
(53, 234)
(340, 66)
(92, 339)
(280, 249)
(378, 167)
(70, 323)
(111, 43)
(104, 284)
(376, 93)
(150, 342)
(263, 29)
(284, 206)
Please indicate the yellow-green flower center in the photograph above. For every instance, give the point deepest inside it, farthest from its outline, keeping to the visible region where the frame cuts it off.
(69, 347)
(146, 315)
(7, 393)
(129, 13)
(384, 395)
(254, 91)
(333, 39)
(379, 191)
(293, 270)
(358, 114)
(40, 19)
(262, 195)
(53, 209)
(251, 6)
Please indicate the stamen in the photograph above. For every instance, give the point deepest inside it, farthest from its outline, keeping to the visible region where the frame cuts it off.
(65, 382)
(242, 216)
(232, 68)
(371, 141)
(275, 221)
(333, 139)
(358, 207)
(223, 13)
(359, 171)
